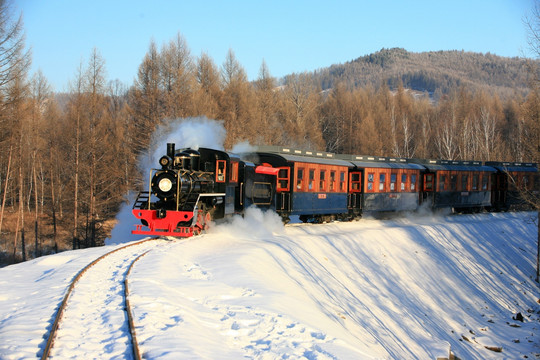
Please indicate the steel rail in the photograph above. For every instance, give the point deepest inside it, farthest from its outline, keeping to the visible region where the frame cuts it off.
(63, 304)
(134, 343)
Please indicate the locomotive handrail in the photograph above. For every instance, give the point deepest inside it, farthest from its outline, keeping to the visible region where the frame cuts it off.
(178, 187)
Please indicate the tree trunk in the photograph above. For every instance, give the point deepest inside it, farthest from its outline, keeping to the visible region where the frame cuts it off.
(21, 205)
(37, 250)
(5, 190)
(76, 194)
(53, 205)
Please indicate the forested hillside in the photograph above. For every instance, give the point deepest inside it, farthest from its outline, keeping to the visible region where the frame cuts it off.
(69, 159)
(435, 72)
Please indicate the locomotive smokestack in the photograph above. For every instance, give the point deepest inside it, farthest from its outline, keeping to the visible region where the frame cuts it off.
(170, 150)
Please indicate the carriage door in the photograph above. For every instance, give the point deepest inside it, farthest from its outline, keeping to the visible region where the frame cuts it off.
(498, 189)
(428, 188)
(355, 190)
(283, 190)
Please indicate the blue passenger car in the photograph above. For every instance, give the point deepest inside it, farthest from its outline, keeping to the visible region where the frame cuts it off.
(312, 185)
(383, 184)
(457, 185)
(514, 185)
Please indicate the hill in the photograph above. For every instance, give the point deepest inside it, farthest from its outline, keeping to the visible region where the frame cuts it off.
(407, 288)
(431, 71)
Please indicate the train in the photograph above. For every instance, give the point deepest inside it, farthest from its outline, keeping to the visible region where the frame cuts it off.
(192, 188)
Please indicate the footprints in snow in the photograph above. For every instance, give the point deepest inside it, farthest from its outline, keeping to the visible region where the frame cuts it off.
(254, 329)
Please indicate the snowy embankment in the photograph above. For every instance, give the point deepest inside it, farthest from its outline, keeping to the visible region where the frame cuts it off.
(397, 289)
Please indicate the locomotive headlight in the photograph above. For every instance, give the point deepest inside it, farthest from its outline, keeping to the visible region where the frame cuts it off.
(165, 185)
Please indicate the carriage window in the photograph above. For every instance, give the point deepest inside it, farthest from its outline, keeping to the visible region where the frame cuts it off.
(370, 181)
(475, 182)
(429, 182)
(442, 181)
(453, 182)
(234, 171)
(355, 181)
(413, 182)
(485, 180)
(299, 179)
(464, 180)
(403, 182)
(311, 179)
(283, 179)
(382, 179)
(221, 170)
(342, 181)
(322, 180)
(393, 180)
(332, 181)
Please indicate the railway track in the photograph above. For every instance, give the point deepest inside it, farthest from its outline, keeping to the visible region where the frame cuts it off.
(94, 319)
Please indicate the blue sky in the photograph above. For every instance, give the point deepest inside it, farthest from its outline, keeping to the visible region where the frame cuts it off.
(291, 36)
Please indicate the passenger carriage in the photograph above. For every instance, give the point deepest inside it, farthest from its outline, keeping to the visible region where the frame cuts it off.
(383, 184)
(458, 185)
(310, 184)
(514, 185)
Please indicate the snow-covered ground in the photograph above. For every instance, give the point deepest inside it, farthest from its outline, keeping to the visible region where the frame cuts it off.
(406, 288)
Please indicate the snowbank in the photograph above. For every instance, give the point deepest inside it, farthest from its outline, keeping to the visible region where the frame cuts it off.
(392, 289)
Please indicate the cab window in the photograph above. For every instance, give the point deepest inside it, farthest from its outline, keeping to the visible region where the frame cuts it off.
(221, 171)
(234, 172)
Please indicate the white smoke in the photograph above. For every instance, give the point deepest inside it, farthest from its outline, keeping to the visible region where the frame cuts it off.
(125, 222)
(254, 223)
(184, 133)
(243, 147)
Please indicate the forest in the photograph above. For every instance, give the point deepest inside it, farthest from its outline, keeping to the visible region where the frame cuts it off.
(69, 159)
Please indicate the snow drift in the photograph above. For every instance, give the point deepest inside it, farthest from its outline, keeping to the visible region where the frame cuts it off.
(385, 289)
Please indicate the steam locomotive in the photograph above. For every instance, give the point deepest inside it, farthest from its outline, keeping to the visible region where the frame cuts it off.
(192, 187)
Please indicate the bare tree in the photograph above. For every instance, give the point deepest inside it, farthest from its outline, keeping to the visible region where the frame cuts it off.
(266, 106)
(302, 120)
(177, 77)
(209, 87)
(14, 60)
(235, 102)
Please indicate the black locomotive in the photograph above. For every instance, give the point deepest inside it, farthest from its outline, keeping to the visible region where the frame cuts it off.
(194, 187)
